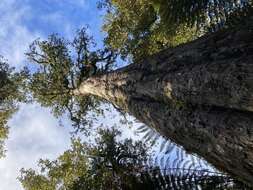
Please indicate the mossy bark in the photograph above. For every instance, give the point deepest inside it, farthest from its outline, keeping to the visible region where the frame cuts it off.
(199, 94)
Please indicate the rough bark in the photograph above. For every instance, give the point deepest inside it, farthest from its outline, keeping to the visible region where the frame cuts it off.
(200, 95)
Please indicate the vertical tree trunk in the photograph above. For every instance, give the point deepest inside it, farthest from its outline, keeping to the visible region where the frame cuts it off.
(200, 95)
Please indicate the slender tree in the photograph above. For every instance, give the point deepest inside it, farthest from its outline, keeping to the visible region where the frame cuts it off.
(198, 94)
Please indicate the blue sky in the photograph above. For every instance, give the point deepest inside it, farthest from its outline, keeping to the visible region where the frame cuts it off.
(22, 21)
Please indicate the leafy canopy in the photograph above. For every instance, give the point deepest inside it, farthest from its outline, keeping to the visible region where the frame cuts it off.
(107, 164)
(11, 92)
(61, 66)
(138, 28)
(134, 28)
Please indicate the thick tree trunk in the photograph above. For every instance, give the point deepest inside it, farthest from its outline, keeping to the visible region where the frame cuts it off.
(200, 95)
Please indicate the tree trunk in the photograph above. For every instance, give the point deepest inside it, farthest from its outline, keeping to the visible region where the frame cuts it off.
(200, 95)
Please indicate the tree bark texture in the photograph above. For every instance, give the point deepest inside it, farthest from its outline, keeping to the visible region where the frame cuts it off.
(200, 95)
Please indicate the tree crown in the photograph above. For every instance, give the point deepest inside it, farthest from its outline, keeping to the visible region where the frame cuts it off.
(138, 28)
(61, 66)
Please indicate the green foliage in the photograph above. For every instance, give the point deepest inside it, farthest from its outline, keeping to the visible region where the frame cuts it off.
(4, 116)
(61, 67)
(197, 12)
(138, 28)
(105, 164)
(135, 28)
(11, 92)
(116, 164)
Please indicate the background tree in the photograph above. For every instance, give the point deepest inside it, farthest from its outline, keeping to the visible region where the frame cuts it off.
(11, 92)
(109, 163)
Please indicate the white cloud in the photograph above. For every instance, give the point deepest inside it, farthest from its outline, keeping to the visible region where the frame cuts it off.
(34, 134)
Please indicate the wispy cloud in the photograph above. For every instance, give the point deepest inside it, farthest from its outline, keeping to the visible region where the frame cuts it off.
(14, 35)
